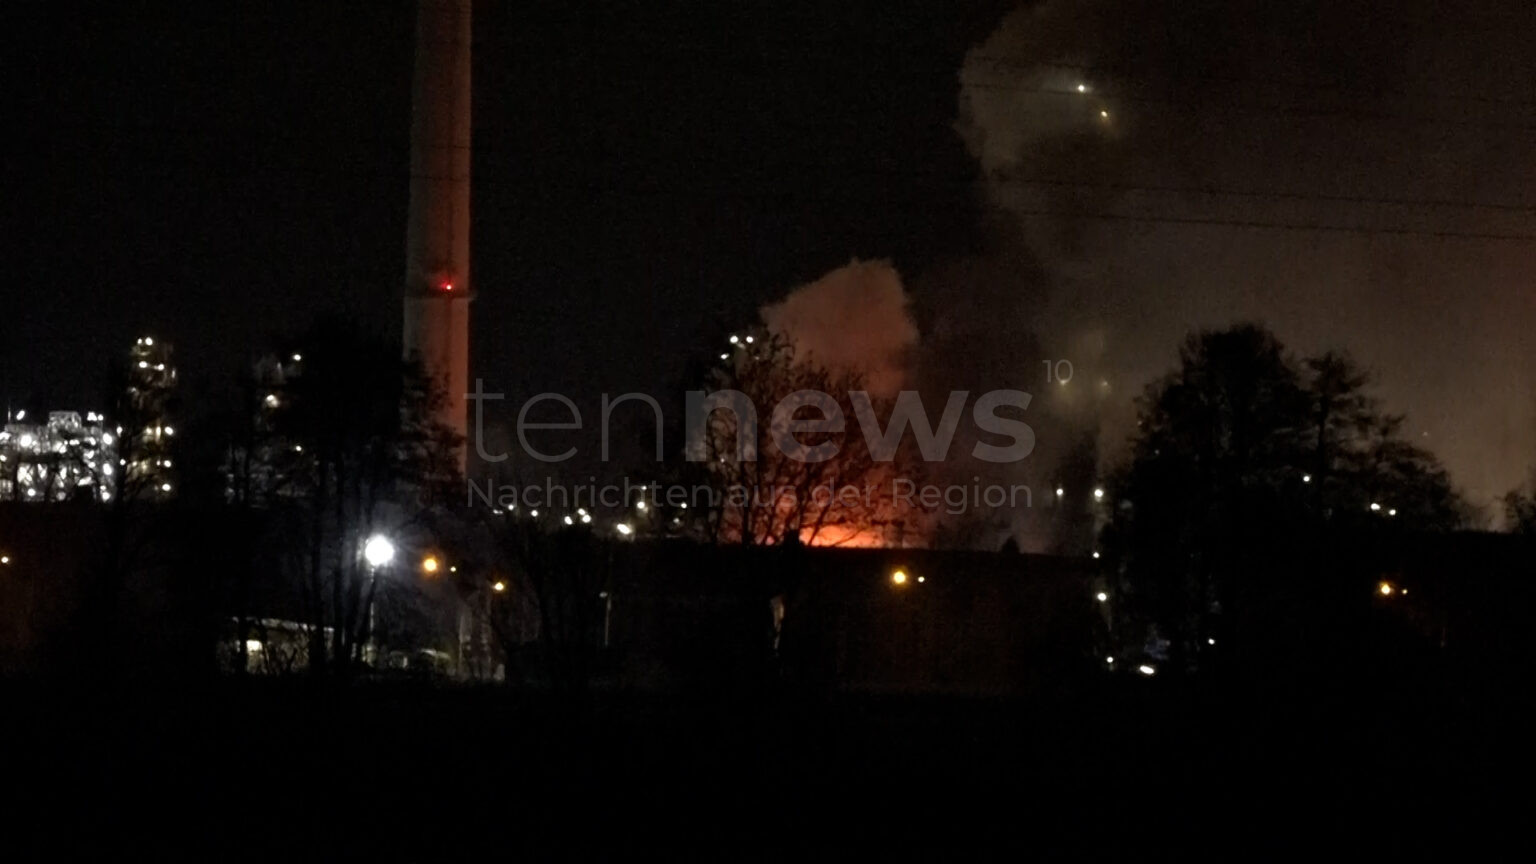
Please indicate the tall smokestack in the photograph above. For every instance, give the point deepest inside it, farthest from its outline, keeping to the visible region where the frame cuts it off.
(437, 286)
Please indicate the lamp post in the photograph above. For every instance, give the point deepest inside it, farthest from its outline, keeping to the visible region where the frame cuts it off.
(378, 552)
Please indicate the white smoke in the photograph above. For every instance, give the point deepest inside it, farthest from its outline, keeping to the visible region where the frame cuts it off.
(855, 318)
(1191, 124)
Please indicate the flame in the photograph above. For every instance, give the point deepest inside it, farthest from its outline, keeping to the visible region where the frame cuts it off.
(845, 537)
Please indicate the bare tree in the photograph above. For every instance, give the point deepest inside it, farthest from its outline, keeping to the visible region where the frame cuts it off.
(342, 444)
(803, 470)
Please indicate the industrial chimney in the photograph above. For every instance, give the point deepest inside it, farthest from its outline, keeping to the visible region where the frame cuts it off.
(437, 286)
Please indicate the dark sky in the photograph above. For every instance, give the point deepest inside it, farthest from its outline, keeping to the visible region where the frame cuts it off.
(1356, 174)
(641, 178)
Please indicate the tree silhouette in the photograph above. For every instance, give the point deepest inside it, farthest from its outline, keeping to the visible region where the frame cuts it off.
(1242, 457)
(772, 490)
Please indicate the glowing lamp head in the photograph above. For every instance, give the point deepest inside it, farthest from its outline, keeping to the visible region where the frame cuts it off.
(899, 577)
(430, 565)
(1385, 589)
(445, 286)
(498, 586)
(378, 551)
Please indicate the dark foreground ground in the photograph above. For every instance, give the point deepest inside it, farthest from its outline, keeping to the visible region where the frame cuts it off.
(1147, 768)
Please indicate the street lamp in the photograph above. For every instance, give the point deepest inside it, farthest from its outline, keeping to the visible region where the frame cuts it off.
(378, 551)
(430, 565)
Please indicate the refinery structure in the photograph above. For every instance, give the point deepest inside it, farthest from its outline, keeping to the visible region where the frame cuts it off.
(64, 456)
(89, 456)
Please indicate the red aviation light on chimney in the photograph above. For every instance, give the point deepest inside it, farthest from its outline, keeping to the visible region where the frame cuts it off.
(446, 286)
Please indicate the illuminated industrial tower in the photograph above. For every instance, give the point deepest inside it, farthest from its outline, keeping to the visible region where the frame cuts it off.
(437, 286)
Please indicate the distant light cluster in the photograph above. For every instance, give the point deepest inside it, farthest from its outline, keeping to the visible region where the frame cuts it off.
(75, 457)
(64, 458)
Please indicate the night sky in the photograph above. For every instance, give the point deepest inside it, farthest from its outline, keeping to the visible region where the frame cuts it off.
(222, 173)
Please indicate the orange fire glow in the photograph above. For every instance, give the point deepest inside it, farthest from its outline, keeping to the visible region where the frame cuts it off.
(844, 536)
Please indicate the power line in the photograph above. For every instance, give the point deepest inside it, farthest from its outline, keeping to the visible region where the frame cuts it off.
(522, 188)
(1277, 226)
(856, 170)
(1256, 194)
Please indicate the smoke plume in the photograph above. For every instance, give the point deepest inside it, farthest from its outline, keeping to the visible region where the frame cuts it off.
(854, 318)
(1170, 165)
